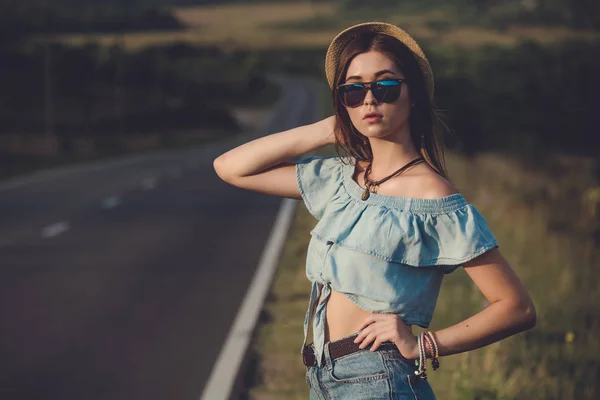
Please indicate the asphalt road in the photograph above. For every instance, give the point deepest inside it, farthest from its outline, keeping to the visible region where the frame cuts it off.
(121, 280)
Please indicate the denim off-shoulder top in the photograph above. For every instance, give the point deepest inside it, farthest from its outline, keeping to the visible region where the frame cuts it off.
(387, 254)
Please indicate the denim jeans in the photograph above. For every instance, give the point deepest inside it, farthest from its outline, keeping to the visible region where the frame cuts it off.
(380, 375)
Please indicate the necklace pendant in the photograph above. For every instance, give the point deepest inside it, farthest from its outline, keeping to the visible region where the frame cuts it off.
(365, 194)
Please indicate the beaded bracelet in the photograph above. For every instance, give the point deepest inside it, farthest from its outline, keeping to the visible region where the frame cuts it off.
(428, 347)
(435, 350)
(418, 361)
(423, 340)
(421, 366)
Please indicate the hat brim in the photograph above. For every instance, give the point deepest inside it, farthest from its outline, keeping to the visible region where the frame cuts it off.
(343, 38)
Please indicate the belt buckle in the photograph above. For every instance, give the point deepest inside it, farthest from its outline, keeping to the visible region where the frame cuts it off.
(308, 356)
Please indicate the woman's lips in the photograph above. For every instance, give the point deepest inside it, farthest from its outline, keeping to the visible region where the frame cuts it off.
(373, 119)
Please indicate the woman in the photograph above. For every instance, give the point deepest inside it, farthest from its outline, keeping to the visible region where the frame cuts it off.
(390, 225)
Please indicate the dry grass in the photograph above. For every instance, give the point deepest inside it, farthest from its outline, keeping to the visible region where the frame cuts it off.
(250, 16)
(547, 235)
(264, 26)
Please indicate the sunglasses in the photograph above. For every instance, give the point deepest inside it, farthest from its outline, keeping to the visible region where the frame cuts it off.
(385, 91)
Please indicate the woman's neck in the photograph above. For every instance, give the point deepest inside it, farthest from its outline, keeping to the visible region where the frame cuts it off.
(390, 154)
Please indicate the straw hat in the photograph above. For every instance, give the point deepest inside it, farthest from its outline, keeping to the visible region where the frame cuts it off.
(344, 37)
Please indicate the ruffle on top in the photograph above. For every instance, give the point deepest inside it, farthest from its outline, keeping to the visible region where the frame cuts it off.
(445, 232)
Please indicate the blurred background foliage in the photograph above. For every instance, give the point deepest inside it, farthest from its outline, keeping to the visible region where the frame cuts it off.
(527, 98)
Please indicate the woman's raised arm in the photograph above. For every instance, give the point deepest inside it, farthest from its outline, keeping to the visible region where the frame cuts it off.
(262, 165)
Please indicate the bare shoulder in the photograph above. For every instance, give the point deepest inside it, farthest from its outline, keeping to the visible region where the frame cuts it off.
(434, 186)
(419, 182)
(422, 183)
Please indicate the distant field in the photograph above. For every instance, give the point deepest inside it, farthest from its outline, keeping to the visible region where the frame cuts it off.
(244, 26)
(302, 24)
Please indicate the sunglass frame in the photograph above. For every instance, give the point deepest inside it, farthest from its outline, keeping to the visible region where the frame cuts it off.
(366, 87)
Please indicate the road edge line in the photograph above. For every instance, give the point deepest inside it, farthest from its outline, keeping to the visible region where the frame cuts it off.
(226, 368)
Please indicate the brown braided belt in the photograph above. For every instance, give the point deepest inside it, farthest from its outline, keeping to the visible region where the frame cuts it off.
(337, 349)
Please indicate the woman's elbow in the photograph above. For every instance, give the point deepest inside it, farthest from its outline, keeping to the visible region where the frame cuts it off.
(220, 167)
(527, 315)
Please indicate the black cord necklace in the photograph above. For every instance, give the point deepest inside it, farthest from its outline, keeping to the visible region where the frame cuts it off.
(371, 186)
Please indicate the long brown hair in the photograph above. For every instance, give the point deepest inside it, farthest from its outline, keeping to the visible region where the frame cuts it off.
(422, 115)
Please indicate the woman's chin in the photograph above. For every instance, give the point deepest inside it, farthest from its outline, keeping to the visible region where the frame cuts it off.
(375, 131)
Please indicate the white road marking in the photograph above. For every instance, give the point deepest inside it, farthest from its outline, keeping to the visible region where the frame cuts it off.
(222, 378)
(55, 229)
(149, 183)
(226, 368)
(111, 202)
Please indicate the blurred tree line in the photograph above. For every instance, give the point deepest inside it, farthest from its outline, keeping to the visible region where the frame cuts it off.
(66, 16)
(92, 90)
(98, 90)
(523, 98)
